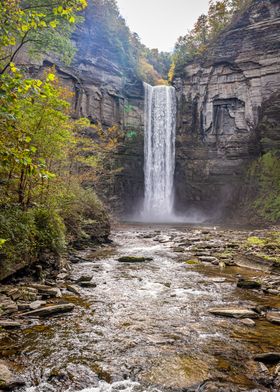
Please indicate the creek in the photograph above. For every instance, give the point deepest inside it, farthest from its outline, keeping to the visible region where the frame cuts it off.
(146, 326)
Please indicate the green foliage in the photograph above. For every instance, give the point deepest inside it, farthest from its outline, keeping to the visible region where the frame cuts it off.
(45, 156)
(255, 241)
(35, 133)
(267, 247)
(44, 26)
(50, 230)
(28, 233)
(265, 173)
(112, 35)
(206, 29)
(131, 134)
(79, 206)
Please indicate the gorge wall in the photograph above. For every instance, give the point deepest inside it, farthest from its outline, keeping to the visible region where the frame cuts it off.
(224, 120)
(106, 90)
(221, 98)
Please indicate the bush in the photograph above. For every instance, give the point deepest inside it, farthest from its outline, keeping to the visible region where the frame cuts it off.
(84, 215)
(50, 231)
(28, 234)
(265, 176)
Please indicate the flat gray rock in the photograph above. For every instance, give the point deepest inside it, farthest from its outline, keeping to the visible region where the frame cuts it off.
(271, 357)
(273, 317)
(233, 312)
(37, 304)
(49, 311)
(10, 324)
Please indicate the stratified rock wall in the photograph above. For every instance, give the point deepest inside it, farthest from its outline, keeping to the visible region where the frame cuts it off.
(220, 99)
(106, 90)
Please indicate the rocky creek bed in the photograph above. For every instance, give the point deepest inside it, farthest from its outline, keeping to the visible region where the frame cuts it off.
(163, 308)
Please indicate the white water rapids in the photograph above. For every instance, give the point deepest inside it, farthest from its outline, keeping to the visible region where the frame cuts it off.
(160, 133)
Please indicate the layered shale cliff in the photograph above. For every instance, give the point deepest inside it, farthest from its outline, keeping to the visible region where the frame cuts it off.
(222, 99)
(107, 90)
(227, 105)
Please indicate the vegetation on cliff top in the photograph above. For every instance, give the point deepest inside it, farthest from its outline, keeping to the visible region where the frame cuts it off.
(112, 35)
(205, 31)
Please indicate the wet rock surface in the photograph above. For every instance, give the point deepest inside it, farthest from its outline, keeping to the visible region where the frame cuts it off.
(147, 326)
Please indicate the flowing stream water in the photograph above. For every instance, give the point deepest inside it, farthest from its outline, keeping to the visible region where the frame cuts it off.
(160, 133)
(146, 326)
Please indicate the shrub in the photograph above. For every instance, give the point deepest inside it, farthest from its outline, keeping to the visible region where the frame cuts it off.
(84, 215)
(265, 173)
(29, 233)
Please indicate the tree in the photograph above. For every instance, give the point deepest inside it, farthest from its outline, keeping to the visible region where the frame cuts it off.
(43, 26)
(206, 29)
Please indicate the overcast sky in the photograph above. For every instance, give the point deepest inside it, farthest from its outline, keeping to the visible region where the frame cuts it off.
(160, 22)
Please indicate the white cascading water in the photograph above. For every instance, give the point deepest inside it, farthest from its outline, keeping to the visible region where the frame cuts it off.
(160, 133)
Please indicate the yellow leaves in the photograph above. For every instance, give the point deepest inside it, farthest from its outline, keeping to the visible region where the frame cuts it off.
(24, 27)
(171, 72)
(13, 68)
(83, 3)
(42, 24)
(72, 19)
(53, 24)
(50, 77)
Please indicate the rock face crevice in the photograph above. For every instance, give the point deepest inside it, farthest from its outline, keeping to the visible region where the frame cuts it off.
(220, 98)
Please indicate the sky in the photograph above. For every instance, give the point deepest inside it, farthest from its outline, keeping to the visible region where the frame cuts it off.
(160, 22)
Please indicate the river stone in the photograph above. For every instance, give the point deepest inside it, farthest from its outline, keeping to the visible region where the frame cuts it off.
(248, 284)
(49, 311)
(84, 278)
(8, 380)
(8, 306)
(48, 291)
(10, 324)
(271, 357)
(133, 259)
(37, 304)
(178, 249)
(73, 289)
(23, 306)
(273, 317)
(248, 322)
(88, 284)
(208, 259)
(233, 312)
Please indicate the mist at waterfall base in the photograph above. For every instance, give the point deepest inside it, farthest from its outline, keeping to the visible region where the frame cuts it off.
(159, 157)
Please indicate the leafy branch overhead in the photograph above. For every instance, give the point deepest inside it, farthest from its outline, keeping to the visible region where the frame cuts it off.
(42, 26)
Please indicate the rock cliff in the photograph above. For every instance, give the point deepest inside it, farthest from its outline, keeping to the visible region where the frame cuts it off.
(106, 90)
(227, 106)
(221, 98)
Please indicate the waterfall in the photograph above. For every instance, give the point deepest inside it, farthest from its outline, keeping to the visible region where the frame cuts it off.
(160, 133)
